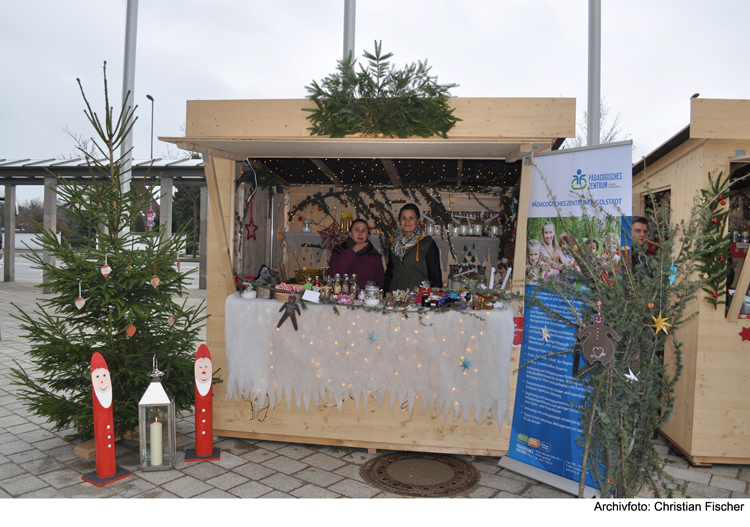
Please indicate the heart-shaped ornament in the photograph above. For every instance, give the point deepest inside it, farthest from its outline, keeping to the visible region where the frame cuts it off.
(155, 281)
(80, 301)
(106, 269)
(170, 320)
(131, 330)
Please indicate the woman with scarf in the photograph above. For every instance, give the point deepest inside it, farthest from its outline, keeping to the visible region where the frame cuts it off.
(414, 258)
(357, 256)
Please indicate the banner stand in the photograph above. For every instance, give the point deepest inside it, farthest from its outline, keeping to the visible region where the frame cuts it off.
(548, 478)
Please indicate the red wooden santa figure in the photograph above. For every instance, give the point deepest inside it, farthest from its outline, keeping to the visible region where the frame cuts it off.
(107, 470)
(204, 428)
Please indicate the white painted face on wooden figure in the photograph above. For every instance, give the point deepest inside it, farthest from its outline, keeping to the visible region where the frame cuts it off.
(203, 373)
(102, 384)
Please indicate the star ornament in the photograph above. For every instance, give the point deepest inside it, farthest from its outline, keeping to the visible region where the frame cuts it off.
(545, 334)
(660, 324)
(745, 334)
(251, 230)
(465, 364)
(372, 336)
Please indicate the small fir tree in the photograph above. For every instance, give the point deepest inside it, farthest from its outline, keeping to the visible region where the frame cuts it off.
(64, 337)
(645, 299)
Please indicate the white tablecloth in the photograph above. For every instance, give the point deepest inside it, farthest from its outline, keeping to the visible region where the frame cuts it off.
(454, 360)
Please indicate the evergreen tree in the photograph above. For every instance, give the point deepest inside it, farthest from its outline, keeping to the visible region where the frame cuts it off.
(64, 337)
(645, 303)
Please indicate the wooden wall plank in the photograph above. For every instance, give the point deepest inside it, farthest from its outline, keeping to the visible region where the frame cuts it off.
(720, 119)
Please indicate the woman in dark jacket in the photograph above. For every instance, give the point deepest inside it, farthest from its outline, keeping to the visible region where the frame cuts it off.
(414, 258)
(357, 255)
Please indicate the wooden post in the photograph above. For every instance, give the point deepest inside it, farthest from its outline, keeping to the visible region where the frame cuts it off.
(9, 227)
(519, 258)
(165, 208)
(50, 222)
(203, 239)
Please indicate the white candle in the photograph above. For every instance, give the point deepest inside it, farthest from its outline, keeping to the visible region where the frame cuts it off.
(156, 443)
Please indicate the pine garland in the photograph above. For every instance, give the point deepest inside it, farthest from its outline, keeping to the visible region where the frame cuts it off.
(380, 100)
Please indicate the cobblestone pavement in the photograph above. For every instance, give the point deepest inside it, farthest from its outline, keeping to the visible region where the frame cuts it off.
(36, 462)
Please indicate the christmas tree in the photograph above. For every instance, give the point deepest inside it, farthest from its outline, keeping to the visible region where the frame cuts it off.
(115, 296)
(645, 298)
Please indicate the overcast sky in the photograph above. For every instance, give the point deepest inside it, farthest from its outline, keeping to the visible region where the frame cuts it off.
(655, 55)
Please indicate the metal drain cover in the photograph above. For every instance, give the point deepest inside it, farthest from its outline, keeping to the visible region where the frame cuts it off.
(420, 474)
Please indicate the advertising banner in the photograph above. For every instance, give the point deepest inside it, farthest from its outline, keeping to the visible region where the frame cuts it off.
(546, 424)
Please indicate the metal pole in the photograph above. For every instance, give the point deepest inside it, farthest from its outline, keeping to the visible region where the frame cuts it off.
(152, 124)
(595, 68)
(350, 17)
(128, 91)
(272, 233)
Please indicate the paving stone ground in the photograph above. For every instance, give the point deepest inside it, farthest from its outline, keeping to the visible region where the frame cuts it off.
(36, 462)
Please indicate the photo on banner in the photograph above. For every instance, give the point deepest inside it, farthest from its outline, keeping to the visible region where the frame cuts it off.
(566, 187)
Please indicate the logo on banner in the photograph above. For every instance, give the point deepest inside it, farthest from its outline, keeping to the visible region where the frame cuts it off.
(579, 181)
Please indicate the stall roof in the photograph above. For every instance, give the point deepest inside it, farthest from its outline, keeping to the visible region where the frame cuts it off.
(484, 148)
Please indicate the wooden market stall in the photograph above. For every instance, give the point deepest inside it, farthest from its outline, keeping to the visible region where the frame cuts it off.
(711, 421)
(229, 133)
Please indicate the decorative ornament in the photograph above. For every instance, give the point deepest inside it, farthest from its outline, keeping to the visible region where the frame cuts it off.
(107, 470)
(650, 306)
(723, 202)
(705, 276)
(80, 301)
(106, 269)
(130, 330)
(545, 334)
(320, 209)
(631, 376)
(745, 334)
(299, 218)
(721, 259)
(372, 336)
(178, 264)
(714, 295)
(660, 324)
(251, 226)
(289, 308)
(372, 205)
(465, 364)
(672, 274)
(204, 426)
(130, 258)
(721, 197)
(344, 202)
(597, 347)
(715, 220)
(332, 236)
(170, 320)
(155, 280)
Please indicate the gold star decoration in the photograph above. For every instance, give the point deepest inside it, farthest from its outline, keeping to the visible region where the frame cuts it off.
(660, 324)
(545, 334)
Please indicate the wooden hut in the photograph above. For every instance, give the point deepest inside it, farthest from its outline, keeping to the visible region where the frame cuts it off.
(711, 421)
(232, 132)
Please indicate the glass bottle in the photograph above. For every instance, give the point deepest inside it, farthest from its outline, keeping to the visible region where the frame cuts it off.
(353, 287)
(345, 284)
(337, 284)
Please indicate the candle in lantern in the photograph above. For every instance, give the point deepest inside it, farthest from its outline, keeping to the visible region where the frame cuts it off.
(156, 443)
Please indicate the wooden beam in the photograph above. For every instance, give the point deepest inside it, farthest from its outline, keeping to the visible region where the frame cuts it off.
(326, 170)
(739, 297)
(459, 172)
(217, 216)
(392, 171)
(518, 152)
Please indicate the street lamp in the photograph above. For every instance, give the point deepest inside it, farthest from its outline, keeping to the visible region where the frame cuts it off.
(152, 124)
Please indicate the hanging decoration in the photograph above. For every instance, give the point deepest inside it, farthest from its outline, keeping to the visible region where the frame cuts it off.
(80, 301)
(332, 236)
(660, 324)
(465, 364)
(155, 280)
(372, 337)
(178, 263)
(106, 269)
(130, 331)
(170, 320)
(251, 227)
(596, 346)
(545, 334)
